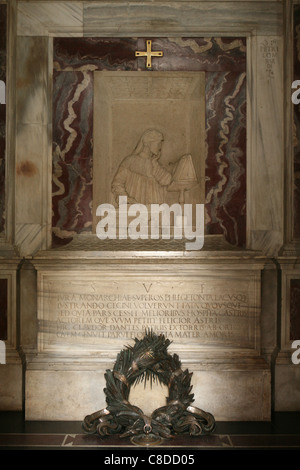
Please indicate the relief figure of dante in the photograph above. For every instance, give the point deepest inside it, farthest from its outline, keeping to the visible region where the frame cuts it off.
(140, 176)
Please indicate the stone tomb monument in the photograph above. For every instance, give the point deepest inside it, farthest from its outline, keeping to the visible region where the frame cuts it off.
(104, 293)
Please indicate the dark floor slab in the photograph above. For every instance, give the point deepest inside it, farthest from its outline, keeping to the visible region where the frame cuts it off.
(31, 439)
(214, 441)
(282, 432)
(177, 441)
(274, 440)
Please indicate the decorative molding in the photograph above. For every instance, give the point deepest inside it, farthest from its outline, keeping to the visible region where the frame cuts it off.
(52, 18)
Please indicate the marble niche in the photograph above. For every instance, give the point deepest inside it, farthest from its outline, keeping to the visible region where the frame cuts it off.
(93, 103)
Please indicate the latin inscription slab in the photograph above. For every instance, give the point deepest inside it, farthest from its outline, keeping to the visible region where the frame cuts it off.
(82, 311)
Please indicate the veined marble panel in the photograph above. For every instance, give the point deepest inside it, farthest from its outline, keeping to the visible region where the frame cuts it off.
(223, 60)
(72, 153)
(185, 54)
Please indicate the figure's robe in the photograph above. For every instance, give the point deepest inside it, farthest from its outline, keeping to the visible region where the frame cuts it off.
(142, 179)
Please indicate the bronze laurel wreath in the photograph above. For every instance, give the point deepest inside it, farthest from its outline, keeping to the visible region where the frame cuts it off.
(148, 359)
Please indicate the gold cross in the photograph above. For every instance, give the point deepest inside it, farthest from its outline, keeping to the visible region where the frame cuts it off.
(148, 54)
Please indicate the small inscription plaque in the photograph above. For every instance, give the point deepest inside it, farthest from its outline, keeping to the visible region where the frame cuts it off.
(197, 311)
(269, 50)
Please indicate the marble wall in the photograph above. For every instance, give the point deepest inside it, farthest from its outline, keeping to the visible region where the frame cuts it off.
(223, 60)
(3, 14)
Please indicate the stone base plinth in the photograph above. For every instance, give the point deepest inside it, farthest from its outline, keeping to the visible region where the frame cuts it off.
(230, 392)
(287, 387)
(208, 304)
(11, 387)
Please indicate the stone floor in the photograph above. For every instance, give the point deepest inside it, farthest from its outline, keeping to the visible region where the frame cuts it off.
(283, 433)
